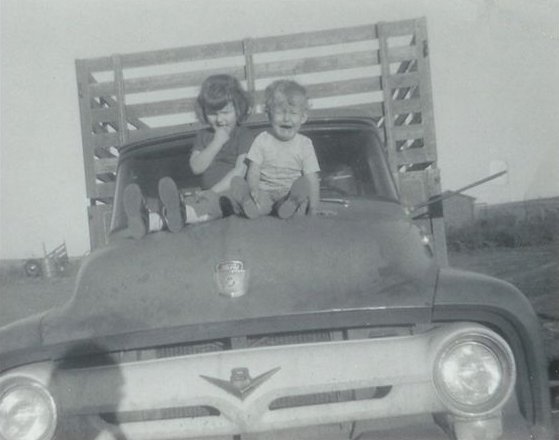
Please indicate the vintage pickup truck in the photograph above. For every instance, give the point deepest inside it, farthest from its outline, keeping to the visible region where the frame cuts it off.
(334, 326)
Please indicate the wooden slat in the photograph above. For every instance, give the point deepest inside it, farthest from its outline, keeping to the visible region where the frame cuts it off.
(140, 135)
(249, 64)
(374, 109)
(100, 115)
(398, 28)
(403, 80)
(406, 132)
(100, 64)
(317, 64)
(387, 98)
(164, 82)
(401, 53)
(107, 165)
(120, 100)
(178, 80)
(426, 97)
(345, 87)
(104, 190)
(168, 56)
(161, 108)
(106, 88)
(406, 106)
(86, 123)
(105, 139)
(181, 54)
(133, 121)
(413, 156)
(314, 39)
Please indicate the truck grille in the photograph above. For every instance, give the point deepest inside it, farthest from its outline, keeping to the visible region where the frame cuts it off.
(217, 345)
(326, 398)
(116, 418)
(164, 411)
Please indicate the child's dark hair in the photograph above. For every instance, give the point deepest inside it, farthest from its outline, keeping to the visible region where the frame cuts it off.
(288, 89)
(217, 91)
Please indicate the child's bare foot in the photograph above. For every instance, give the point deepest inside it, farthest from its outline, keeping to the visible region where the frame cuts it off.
(135, 210)
(173, 211)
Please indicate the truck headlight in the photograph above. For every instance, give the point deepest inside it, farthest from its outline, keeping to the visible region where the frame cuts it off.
(474, 373)
(27, 411)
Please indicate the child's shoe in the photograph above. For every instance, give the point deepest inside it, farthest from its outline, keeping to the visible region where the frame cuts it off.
(226, 206)
(135, 210)
(240, 192)
(173, 211)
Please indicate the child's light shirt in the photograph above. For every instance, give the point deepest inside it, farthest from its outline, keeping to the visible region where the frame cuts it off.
(282, 162)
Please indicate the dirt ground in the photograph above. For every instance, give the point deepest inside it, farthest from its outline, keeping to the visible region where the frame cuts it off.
(534, 270)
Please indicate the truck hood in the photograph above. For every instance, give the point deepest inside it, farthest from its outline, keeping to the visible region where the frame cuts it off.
(367, 256)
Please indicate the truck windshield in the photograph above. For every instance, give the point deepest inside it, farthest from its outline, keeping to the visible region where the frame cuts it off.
(351, 160)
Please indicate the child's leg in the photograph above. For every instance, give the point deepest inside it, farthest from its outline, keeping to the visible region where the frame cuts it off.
(298, 195)
(172, 211)
(202, 208)
(242, 199)
(264, 203)
(193, 210)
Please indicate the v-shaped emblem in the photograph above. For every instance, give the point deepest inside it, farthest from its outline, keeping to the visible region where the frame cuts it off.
(241, 384)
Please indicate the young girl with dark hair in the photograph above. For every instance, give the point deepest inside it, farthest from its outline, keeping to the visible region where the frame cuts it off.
(218, 155)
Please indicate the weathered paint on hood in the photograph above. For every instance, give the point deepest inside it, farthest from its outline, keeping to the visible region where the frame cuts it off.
(364, 256)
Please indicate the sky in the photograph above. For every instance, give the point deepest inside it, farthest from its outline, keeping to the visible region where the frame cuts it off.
(494, 70)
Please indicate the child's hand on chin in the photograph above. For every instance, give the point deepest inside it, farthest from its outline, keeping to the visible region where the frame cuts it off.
(222, 134)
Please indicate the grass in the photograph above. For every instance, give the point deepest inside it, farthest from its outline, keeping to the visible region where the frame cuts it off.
(505, 231)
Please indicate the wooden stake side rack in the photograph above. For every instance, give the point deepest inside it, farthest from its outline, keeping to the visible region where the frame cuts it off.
(383, 68)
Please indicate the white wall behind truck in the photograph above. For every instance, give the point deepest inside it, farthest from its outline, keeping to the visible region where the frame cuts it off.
(494, 66)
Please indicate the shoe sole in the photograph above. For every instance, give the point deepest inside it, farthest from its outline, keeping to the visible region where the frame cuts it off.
(169, 196)
(133, 203)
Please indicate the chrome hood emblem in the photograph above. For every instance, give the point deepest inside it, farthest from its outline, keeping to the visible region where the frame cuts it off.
(241, 384)
(231, 278)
